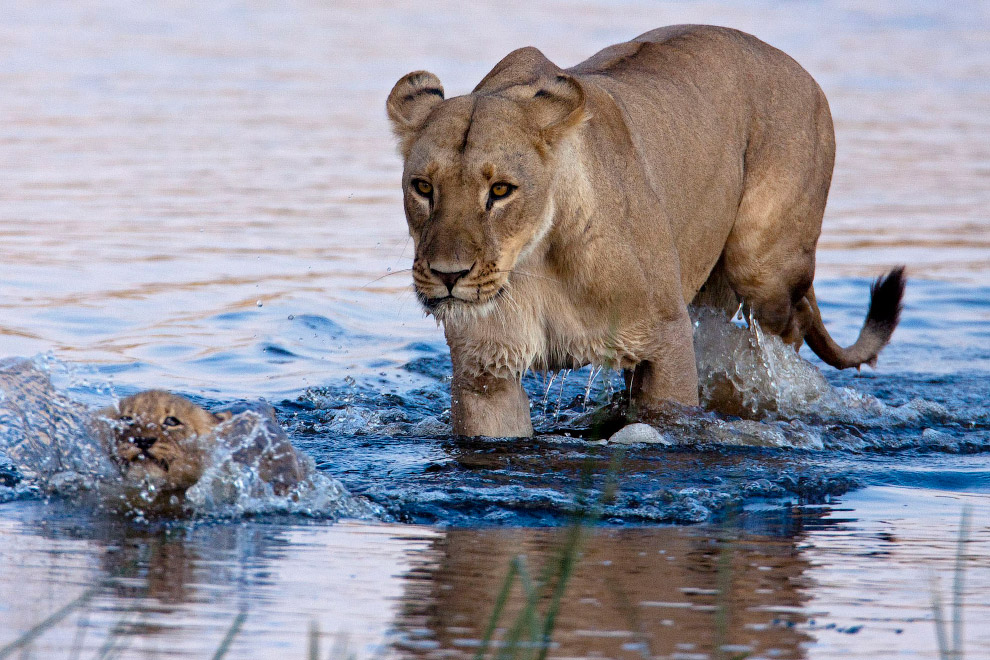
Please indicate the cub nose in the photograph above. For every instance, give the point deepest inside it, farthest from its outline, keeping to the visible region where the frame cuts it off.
(449, 279)
(143, 443)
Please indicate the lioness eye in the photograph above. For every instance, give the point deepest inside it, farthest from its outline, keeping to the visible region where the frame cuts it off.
(500, 190)
(126, 419)
(424, 188)
(171, 421)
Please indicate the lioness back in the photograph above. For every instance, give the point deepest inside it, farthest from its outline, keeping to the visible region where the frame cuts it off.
(738, 113)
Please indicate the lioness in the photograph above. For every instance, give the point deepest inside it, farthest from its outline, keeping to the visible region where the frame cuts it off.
(566, 217)
(169, 439)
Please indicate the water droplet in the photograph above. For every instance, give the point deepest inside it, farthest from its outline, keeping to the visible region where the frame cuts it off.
(260, 304)
(388, 270)
(292, 316)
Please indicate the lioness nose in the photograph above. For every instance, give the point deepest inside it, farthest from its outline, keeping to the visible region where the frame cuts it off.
(143, 443)
(449, 279)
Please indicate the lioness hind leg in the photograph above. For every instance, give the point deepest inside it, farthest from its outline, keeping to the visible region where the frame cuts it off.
(770, 252)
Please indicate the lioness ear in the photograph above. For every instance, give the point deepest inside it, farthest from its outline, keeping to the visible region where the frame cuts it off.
(556, 104)
(411, 101)
(223, 416)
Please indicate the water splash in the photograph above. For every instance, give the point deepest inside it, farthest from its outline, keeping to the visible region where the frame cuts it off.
(748, 373)
(550, 379)
(745, 372)
(44, 433)
(233, 484)
(50, 443)
(394, 447)
(758, 392)
(593, 374)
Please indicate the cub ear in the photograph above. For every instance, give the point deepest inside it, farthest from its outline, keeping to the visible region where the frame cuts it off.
(556, 103)
(102, 424)
(411, 102)
(107, 413)
(223, 416)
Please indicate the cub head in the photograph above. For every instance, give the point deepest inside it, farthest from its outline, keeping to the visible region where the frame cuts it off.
(478, 173)
(160, 435)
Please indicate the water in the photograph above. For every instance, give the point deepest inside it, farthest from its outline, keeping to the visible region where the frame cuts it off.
(204, 198)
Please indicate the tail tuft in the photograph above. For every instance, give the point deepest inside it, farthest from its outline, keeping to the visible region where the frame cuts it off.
(885, 311)
(886, 294)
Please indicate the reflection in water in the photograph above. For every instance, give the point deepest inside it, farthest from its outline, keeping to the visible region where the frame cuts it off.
(635, 592)
(808, 582)
(811, 583)
(875, 571)
(175, 591)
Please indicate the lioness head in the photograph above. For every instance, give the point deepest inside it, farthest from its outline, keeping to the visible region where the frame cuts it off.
(477, 176)
(160, 435)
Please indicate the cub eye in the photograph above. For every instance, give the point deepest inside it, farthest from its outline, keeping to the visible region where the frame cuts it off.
(501, 189)
(424, 188)
(171, 421)
(126, 419)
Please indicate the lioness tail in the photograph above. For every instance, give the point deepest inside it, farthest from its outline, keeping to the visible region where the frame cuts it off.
(885, 311)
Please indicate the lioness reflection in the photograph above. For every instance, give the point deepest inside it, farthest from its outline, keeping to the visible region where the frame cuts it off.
(634, 593)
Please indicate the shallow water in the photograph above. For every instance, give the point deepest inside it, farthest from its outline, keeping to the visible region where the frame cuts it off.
(204, 198)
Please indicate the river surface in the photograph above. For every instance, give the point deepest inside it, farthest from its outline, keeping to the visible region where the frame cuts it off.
(204, 197)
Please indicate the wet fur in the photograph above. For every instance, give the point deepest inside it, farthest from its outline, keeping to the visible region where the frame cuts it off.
(141, 437)
(688, 166)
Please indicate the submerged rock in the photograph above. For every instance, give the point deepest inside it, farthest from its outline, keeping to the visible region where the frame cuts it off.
(635, 434)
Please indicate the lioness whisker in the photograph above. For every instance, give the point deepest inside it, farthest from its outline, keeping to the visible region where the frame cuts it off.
(378, 279)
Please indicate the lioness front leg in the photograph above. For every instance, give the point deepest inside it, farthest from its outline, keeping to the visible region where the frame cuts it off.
(486, 405)
(670, 372)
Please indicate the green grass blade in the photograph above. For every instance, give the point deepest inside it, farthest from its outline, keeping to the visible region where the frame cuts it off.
(52, 621)
(958, 585)
(314, 641)
(228, 639)
(588, 514)
(554, 576)
(532, 597)
(82, 624)
(944, 652)
(339, 649)
(567, 563)
(115, 642)
(527, 618)
(500, 601)
(723, 583)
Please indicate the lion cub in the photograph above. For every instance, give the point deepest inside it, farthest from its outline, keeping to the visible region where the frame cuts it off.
(169, 439)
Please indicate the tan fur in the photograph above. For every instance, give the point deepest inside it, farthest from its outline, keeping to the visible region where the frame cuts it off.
(635, 173)
(166, 437)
